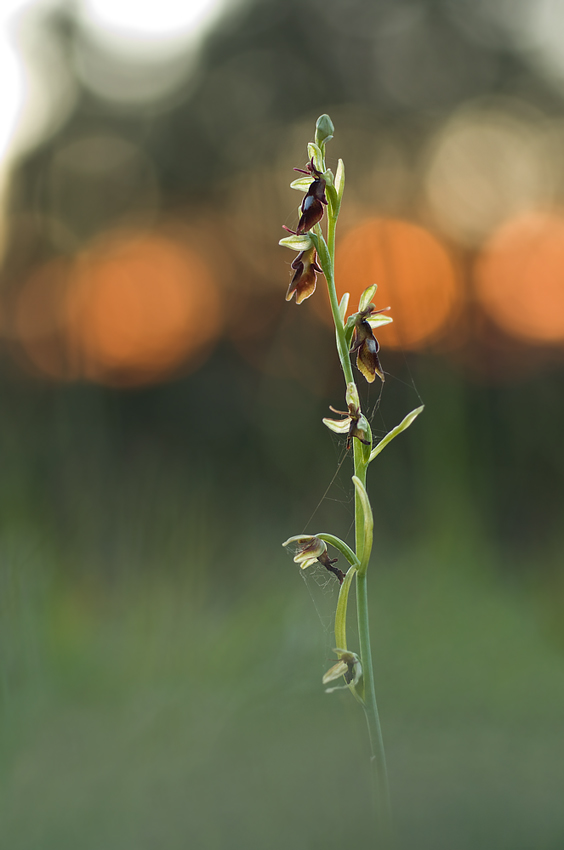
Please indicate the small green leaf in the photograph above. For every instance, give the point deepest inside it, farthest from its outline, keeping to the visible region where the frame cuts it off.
(366, 297)
(314, 152)
(404, 424)
(344, 305)
(341, 612)
(297, 243)
(302, 183)
(368, 523)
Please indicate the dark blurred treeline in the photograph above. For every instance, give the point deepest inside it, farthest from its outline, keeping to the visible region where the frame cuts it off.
(234, 432)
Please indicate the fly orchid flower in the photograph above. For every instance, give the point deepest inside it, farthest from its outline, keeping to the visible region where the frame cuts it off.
(355, 424)
(305, 276)
(312, 204)
(310, 549)
(364, 344)
(348, 666)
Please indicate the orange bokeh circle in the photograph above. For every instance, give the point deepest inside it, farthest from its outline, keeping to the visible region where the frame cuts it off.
(131, 309)
(140, 305)
(520, 277)
(414, 273)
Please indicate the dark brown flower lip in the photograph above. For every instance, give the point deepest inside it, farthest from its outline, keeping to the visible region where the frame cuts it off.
(366, 347)
(312, 213)
(314, 200)
(304, 281)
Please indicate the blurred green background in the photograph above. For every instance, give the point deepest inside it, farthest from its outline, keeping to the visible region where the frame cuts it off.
(160, 435)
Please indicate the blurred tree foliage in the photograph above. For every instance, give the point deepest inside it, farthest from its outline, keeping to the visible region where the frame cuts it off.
(488, 457)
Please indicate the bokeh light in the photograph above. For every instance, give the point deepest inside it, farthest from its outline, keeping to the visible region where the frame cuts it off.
(414, 274)
(32, 108)
(140, 306)
(133, 53)
(488, 163)
(144, 23)
(131, 309)
(520, 277)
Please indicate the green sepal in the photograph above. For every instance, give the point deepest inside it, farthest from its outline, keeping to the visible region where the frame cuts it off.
(404, 424)
(314, 152)
(339, 426)
(366, 297)
(329, 179)
(302, 242)
(378, 320)
(302, 183)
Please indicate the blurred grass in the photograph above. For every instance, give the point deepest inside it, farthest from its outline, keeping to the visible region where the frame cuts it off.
(176, 708)
(161, 659)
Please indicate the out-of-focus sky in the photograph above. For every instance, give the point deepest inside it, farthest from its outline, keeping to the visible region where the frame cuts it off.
(144, 31)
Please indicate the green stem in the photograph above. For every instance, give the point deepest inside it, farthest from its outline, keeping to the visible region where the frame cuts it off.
(377, 755)
(363, 545)
(327, 258)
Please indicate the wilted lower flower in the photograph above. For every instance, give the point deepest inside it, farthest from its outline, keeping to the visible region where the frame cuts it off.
(305, 277)
(309, 549)
(355, 424)
(348, 666)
